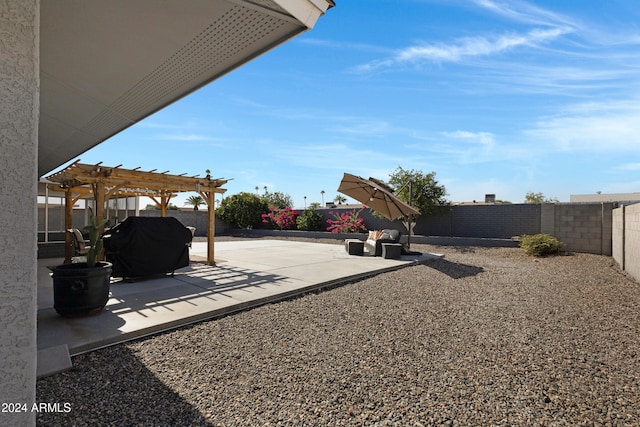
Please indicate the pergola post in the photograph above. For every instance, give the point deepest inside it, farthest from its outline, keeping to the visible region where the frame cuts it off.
(163, 204)
(99, 193)
(211, 226)
(68, 224)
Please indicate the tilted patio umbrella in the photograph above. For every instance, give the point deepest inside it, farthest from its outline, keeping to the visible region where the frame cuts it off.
(379, 197)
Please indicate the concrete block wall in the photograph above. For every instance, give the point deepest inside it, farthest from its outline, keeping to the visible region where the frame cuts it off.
(582, 227)
(482, 221)
(626, 239)
(495, 221)
(617, 235)
(632, 240)
(477, 221)
(197, 219)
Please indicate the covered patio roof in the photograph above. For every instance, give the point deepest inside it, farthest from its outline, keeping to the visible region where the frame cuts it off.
(80, 180)
(106, 65)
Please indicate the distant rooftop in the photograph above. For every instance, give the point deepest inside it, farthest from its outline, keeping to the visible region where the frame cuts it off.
(613, 197)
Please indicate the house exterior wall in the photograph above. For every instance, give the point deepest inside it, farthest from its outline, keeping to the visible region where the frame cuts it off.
(19, 111)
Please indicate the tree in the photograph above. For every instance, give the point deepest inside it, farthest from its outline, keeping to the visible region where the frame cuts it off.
(310, 220)
(532, 197)
(428, 196)
(340, 199)
(278, 200)
(243, 210)
(195, 201)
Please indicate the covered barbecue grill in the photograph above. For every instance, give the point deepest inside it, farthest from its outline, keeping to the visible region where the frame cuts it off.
(141, 246)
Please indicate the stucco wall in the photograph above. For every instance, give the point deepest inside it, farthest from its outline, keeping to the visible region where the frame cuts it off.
(19, 105)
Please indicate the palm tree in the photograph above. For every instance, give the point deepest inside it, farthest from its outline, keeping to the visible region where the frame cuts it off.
(322, 194)
(194, 201)
(340, 199)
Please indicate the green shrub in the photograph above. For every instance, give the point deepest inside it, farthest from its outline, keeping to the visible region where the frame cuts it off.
(310, 220)
(540, 244)
(242, 210)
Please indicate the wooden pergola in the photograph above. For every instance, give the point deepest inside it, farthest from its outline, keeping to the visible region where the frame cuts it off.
(80, 180)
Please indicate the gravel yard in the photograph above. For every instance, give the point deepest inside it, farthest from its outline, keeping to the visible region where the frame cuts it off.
(485, 336)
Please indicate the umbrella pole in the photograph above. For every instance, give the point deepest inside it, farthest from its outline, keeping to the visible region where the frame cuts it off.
(409, 234)
(410, 215)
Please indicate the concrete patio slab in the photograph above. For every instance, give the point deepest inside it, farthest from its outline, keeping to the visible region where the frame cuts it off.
(249, 273)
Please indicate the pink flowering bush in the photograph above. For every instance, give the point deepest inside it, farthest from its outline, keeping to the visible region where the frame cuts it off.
(283, 219)
(347, 222)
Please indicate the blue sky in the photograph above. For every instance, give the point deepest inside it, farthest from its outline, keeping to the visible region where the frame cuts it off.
(501, 97)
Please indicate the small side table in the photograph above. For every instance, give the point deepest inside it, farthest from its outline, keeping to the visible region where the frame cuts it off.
(354, 246)
(391, 250)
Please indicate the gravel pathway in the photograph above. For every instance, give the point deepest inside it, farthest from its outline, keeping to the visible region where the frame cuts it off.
(485, 336)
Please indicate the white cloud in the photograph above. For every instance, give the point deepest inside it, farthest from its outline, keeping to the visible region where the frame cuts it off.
(549, 26)
(524, 12)
(457, 147)
(486, 139)
(477, 46)
(465, 48)
(599, 127)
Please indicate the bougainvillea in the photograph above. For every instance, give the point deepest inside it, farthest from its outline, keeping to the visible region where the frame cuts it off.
(283, 219)
(347, 222)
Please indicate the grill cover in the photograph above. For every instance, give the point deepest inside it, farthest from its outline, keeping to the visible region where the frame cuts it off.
(141, 246)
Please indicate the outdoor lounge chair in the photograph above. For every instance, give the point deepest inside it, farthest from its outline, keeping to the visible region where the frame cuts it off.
(79, 246)
(388, 236)
(373, 246)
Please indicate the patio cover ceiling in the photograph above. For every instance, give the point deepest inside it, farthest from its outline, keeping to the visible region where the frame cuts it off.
(106, 65)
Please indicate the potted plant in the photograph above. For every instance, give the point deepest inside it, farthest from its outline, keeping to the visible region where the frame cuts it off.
(83, 288)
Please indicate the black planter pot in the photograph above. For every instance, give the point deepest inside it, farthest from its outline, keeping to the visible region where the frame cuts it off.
(79, 290)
